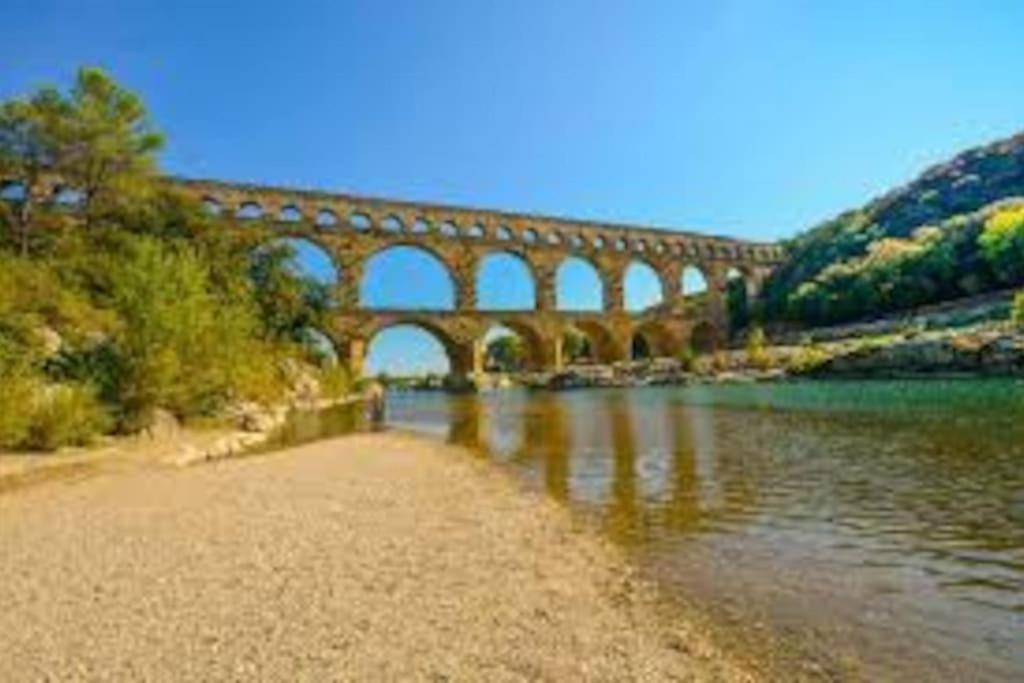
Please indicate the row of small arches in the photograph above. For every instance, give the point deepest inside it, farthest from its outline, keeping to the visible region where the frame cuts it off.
(360, 221)
(327, 219)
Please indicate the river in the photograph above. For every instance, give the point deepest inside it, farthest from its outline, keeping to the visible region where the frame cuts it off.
(852, 530)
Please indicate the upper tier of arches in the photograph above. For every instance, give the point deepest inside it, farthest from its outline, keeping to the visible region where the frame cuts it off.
(332, 212)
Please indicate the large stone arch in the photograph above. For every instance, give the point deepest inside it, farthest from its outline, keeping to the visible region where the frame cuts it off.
(696, 272)
(662, 340)
(605, 344)
(642, 261)
(540, 350)
(594, 267)
(380, 249)
(457, 340)
(483, 255)
(265, 238)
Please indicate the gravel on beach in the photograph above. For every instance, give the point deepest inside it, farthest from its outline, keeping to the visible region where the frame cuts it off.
(369, 557)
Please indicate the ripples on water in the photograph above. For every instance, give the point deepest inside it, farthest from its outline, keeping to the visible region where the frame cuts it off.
(890, 513)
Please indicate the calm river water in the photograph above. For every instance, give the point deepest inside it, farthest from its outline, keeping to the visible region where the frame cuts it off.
(871, 530)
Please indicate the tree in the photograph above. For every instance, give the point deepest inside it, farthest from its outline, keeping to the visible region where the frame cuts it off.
(290, 303)
(575, 346)
(1002, 243)
(108, 149)
(1017, 312)
(97, 142)
(31, 131)
(506, 353)
(182, 345)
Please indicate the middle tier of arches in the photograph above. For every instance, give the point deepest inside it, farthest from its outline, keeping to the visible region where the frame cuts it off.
(397, 274)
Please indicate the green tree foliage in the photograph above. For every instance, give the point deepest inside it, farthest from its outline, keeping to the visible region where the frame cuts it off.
(852, 266)
(933, 264)
(807, 359)
(737, 304)
(1017, 312)
(575, 346)
(136, 300)
(506, 353)
(1002, 243)
(107, 147)
(290, 303)
(181, 345)
(65, 415)
(757, 352)
(97, 140)
(31, 130)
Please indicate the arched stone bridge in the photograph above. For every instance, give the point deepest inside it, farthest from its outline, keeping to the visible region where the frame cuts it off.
(351, 229)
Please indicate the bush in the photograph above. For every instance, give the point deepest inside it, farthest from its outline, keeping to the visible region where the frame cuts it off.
(719, 361)
(66, 415)
(757, 353)
(807, 359)
(1002, 243)
(16, 407)
(181, 346)
(335, 382)
(1017, 312)
(687, 358)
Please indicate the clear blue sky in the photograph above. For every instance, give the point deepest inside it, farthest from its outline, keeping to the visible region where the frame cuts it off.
(753, 118)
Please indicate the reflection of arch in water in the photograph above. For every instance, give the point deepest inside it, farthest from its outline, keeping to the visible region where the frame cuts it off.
(692, 454)
(543, 440)
(468, 423)
(556, 442)
(623, 511)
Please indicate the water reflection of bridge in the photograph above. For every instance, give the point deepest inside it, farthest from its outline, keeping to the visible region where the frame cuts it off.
(638, 463)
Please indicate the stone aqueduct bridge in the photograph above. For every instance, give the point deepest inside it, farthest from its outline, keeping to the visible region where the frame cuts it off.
(351, 229)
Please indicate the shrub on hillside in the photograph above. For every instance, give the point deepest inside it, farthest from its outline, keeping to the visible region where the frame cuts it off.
(16, 402)
(1002, 243)
(335, 382)
(66, 415)
(1017, 312)
(688, 358)
(181, 346)
(757, 353)
(808, 358)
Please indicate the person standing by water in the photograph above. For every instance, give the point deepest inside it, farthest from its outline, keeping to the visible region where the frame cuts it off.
(376, 404)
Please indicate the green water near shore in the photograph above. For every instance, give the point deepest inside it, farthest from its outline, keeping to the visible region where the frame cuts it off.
(878, 522)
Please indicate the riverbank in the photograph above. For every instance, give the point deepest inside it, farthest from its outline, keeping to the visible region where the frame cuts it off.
(983, 349)
(169, 443)
(380, 557)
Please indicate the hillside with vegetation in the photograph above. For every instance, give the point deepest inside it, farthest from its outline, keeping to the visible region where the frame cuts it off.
(119, 297)
(955, 231)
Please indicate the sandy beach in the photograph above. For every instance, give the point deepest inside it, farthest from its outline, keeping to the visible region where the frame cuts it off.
(369, 557)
